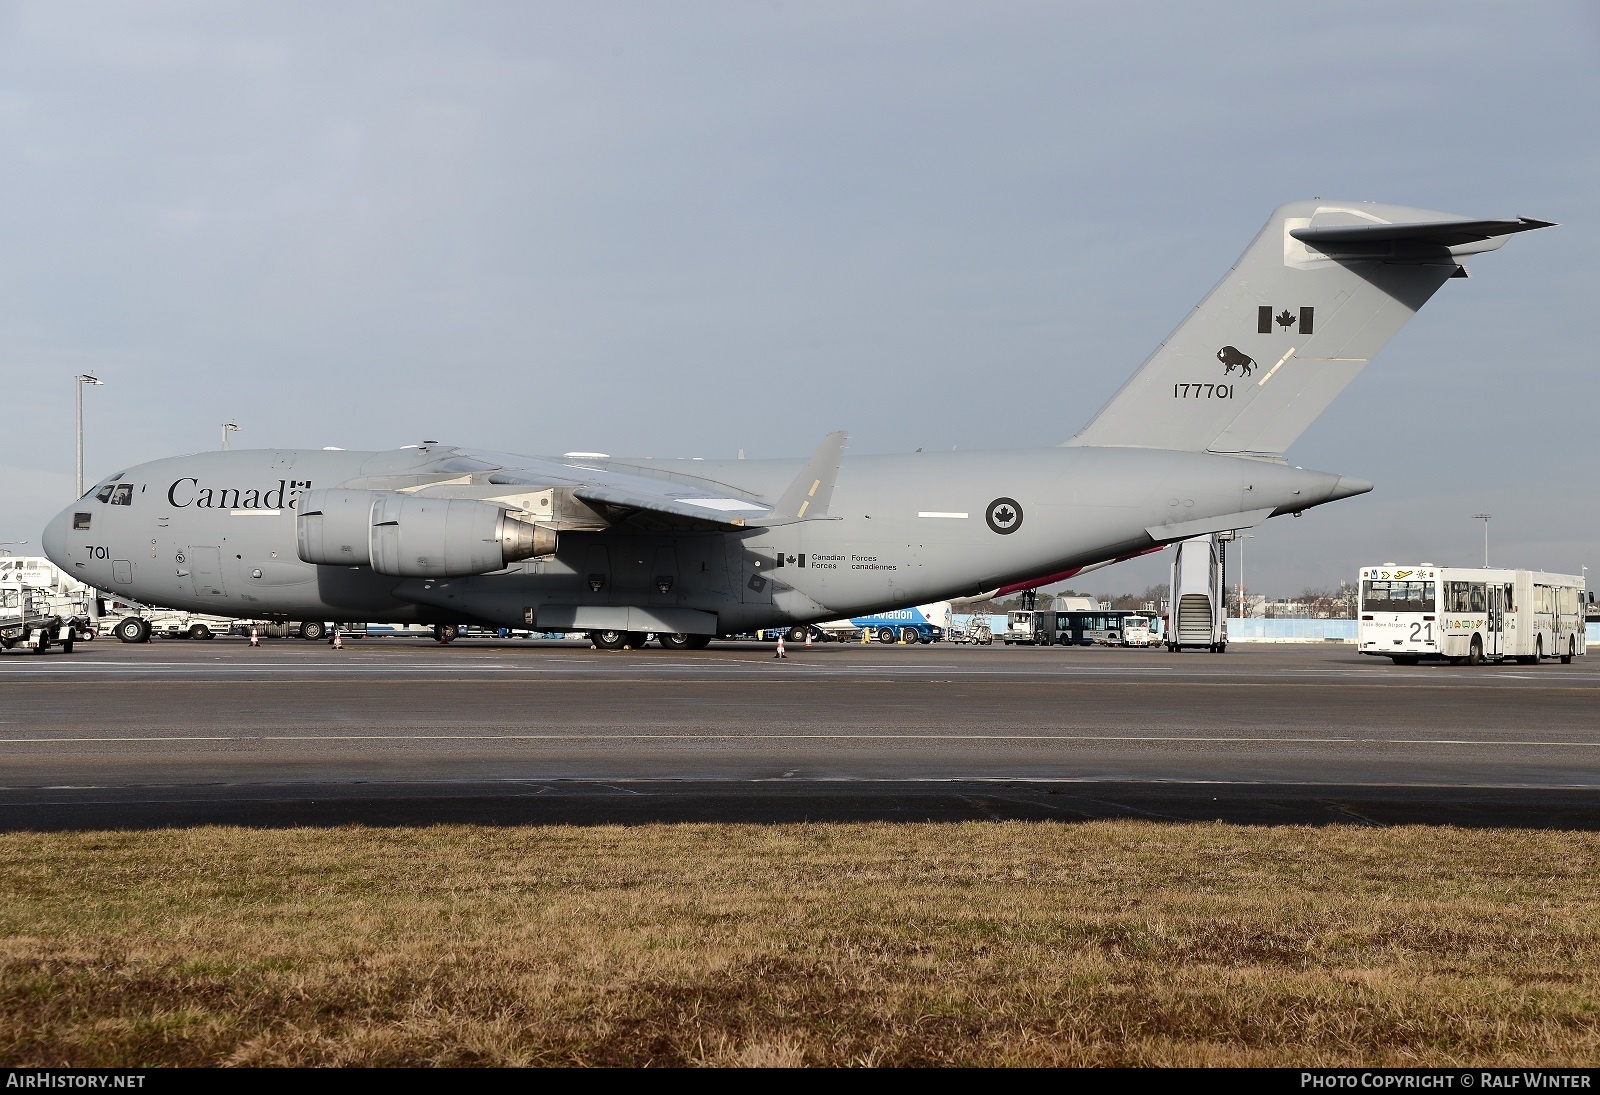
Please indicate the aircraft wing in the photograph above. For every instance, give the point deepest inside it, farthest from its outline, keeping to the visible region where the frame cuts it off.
(677, 504)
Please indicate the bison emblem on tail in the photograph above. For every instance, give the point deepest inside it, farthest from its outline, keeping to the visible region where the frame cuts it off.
(1231, 357)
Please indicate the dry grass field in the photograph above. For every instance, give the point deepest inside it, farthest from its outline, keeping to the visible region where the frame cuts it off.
(1019, 943)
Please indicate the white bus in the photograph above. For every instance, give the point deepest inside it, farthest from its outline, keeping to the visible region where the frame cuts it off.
(1469, 615)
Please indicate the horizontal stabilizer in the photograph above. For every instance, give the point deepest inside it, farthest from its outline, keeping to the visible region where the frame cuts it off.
(1447, 233)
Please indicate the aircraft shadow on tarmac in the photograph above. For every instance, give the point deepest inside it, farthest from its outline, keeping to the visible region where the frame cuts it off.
(780, 802)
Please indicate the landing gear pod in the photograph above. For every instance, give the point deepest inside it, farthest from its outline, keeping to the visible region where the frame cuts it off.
(411, 537)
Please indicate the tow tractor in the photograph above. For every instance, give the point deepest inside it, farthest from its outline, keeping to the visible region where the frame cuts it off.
(29, 621)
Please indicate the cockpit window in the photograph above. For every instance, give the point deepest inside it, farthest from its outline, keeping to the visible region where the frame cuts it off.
(123, 495)
(104, 493)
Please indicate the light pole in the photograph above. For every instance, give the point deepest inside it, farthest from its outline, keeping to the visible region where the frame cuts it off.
(1484, 517)
(1242, 537)
(228, 427)
(78, 382)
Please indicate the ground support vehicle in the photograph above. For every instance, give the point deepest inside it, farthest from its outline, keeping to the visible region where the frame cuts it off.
(1199, 621)
(1026, 627)
(29, 622)
(1137, 631)
(1470, 615)
(976, 633)
(928, 623)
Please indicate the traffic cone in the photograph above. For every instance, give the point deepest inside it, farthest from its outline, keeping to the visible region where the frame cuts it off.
(255, 640)
(338, 639)
(808, 638)
(780, 653)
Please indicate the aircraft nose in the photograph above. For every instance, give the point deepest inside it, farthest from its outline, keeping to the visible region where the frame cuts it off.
(54, 539)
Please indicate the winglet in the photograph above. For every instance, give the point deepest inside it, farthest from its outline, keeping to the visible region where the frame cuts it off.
(807, 498)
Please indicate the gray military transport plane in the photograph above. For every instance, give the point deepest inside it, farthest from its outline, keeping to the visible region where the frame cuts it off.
(1193, 443)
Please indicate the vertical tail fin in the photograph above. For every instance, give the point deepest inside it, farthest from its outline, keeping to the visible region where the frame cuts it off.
(1320, 291)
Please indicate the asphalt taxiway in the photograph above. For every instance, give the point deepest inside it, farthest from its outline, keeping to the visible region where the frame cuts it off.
(397, 731)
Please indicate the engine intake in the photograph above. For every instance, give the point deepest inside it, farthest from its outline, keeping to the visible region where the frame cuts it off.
(413, 537)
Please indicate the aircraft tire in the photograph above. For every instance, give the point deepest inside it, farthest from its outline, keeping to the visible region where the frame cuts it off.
(609, 640)
(133, 630)
(797, 634)
(699, 642)
(678, 641)
(313, 630)
(637, 639)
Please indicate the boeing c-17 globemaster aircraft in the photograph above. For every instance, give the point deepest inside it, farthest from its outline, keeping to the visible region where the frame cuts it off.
(1193, 443)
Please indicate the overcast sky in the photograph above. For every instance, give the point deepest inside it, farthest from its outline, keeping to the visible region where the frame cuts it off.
(684, 229)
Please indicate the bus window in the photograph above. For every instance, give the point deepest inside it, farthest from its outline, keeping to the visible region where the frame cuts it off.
(1480, 597)
(1398, 596)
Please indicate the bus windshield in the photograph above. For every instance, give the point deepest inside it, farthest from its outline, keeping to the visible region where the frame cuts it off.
(1397, 597)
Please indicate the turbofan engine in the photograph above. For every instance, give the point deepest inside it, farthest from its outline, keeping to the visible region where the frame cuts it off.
(413, 537)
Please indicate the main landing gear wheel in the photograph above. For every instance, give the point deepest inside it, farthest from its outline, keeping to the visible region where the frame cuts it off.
(682, 641)
(445, 634)
(133, 630)
(609, 640)
(312, 630)
(797, 634)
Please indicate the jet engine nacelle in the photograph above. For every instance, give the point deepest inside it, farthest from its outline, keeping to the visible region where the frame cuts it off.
(413, 537)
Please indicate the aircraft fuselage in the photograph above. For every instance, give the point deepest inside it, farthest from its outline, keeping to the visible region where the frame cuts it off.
(216, 532)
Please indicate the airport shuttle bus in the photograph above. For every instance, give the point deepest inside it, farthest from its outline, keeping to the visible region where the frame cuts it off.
(1469, 615)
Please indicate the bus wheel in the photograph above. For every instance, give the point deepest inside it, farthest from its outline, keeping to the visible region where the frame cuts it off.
(1572, 648)
(1475, 656)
